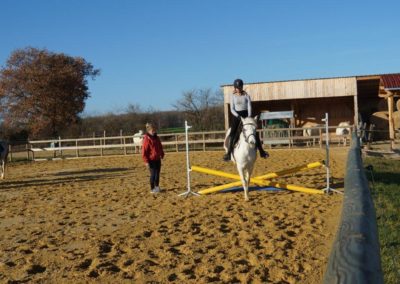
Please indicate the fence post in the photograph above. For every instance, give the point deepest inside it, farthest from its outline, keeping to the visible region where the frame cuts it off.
(369, 136)
(176, 143)
(320, 138)
(77, 150)
(355, 256)
(204, 142)
(59, 145)
(10, 152)
(27, 152)
(104, 142)
(124, 145)
(121, 139)
(269, 131)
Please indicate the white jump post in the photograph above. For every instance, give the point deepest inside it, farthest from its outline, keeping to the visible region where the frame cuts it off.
(188, 169)
(328, 188)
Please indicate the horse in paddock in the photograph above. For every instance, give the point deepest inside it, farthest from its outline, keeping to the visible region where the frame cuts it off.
(3, 158)
(343, 128)
(244, 153)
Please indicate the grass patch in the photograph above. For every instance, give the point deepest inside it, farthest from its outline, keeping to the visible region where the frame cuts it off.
(386, 195)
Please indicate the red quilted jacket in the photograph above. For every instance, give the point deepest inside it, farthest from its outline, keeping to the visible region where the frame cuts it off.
(152, 149)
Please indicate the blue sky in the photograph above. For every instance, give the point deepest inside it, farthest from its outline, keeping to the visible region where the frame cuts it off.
(150, 51)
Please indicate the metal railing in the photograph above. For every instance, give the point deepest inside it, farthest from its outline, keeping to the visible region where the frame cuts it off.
(355, 256)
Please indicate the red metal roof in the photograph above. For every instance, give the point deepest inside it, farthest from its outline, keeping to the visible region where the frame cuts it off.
(391, 81)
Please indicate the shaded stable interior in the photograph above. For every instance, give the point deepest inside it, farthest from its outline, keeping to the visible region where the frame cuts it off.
(368, 100)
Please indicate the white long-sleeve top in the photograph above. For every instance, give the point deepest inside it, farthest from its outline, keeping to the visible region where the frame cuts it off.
(240, 103)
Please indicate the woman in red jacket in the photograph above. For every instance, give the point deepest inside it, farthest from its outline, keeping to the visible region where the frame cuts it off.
(152, 153)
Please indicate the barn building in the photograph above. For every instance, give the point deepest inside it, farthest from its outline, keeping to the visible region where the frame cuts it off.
(367, 99)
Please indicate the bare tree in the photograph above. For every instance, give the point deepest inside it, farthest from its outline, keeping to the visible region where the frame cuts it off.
(134, 108)
(203, 108)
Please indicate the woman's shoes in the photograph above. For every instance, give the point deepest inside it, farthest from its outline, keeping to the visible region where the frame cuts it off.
(155, 190)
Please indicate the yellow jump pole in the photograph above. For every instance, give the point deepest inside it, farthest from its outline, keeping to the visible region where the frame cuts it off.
(266, 176)
(214, 172)
(254, 180)
(292, 170)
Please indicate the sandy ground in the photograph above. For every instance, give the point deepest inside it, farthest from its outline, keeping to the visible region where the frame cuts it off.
(94, 220)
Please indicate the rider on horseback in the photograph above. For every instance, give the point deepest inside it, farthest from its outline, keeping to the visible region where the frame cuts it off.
(240, 107)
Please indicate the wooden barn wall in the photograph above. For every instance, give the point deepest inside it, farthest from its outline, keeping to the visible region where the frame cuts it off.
(318, 88)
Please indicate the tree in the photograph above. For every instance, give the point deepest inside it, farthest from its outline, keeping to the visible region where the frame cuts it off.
(43, 92)
(203, 108)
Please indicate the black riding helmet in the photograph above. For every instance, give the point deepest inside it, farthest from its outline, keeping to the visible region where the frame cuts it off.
(238, 83)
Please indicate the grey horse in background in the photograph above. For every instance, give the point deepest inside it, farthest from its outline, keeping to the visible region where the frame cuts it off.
(3, 158)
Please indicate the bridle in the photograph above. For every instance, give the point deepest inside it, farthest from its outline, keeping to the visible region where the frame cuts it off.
(246, 138)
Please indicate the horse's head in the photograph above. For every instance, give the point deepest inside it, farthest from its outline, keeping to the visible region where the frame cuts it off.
(249, 129)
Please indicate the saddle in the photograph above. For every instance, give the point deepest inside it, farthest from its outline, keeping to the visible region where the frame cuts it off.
(236, 137)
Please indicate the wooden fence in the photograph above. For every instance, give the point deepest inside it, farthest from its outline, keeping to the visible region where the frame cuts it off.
(355, 256)
(124, 145)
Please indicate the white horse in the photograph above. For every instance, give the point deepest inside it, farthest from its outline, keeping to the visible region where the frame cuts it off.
(343, 128)
(244, 153)
(138, 140)
(3, 158)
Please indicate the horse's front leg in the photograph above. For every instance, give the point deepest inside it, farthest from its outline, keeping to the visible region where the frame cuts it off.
(247, 181)
(244, 176)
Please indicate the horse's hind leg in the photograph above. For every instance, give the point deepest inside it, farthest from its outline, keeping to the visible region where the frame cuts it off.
(2, 166)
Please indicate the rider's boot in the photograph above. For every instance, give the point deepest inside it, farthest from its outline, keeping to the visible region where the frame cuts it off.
(263, 154)
(227, 156)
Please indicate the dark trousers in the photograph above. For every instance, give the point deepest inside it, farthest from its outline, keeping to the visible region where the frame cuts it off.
(233, 136)
(155, 168)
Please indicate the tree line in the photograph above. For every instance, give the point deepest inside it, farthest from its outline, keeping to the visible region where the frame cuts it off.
(43, 95)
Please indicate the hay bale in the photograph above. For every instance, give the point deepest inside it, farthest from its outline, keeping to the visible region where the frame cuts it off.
(383, 115)
(396, 119)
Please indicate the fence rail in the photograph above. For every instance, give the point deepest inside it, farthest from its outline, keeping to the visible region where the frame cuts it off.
(355, 254)
(95, 146)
